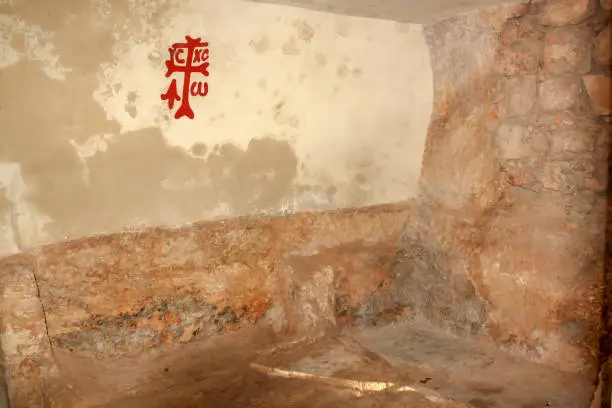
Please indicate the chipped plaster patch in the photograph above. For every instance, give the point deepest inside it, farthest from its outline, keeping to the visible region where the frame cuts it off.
(28, 221)
(88, 149)
(8, 244)
(38, 46)
(91, 146)
(131, 73)
(137, 68)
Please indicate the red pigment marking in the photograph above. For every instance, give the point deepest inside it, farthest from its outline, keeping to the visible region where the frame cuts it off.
(195, 61)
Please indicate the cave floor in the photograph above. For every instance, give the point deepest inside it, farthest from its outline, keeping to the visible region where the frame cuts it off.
(427, 368)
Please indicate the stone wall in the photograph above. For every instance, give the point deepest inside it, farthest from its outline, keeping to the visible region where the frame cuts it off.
(508, 242)
(545, 252)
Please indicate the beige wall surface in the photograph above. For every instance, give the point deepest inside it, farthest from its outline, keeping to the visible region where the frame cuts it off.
(305, 111)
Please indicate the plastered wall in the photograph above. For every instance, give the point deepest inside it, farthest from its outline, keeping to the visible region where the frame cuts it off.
(305, 111)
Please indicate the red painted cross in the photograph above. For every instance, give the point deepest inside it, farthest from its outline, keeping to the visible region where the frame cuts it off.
(195, 62)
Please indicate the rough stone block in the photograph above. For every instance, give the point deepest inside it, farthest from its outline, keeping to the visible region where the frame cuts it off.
(512, 142)
(568, 50)
(515, 30)
(469, 178)
(521, 57)
(603, 48)
(599, 88)
(433, 272)
(559, 93)
(599, 21)
(593, 175)
(519, 176)
(597, 184)
(31, 370)
(530, 258)
(538, 140)
(558, 176)
(522, 97)
(571, 141)
(574, 175)
(571, 134)
(564, 12)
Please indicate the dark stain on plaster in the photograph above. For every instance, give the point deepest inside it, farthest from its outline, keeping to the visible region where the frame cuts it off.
(131, 172)
(260, 46)
(132, 97)
(291, 47)
(125, 182)
(198, 149)
(40, 139)
(320, 59)
(304, 31)
(255, 179)
(330, 192)
(131, 110)
(342, 71)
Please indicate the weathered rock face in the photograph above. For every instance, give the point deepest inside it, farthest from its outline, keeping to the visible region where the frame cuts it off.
(169, 286)
(122, 294)
(460, 126)
(513, 217)
(568, 50)
(544, 250)
(564, 12)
